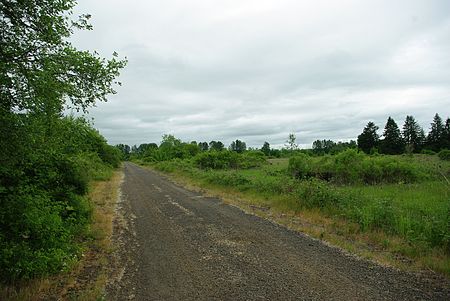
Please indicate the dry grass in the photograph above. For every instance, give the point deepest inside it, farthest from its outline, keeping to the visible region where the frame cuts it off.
(88, 278)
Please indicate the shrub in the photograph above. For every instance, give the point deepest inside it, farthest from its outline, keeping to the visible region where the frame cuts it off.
(300, 166)
(348, 166)
(251, 159)
(444, 154)
(428, 152)
(353, 167)
(43, 208)
(233, 179)
(314, 193)
(217, 160)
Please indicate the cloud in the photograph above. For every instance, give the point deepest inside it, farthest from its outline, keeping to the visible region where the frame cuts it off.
(259, 70)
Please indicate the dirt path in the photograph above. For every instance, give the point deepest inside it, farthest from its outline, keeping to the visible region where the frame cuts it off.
(179, 245)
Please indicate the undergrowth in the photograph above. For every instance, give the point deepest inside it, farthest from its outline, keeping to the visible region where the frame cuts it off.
(401, 196)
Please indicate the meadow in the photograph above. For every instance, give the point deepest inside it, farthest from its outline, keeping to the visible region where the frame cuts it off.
(399, 204)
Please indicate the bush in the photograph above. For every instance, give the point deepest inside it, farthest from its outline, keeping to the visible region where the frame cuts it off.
(444, 155)
(233, 179)
(251, 159)
(300, 166)
(348, 166)
(217, 160)
(428, 152)
(353, 167)
(314, 193)
(43, 208)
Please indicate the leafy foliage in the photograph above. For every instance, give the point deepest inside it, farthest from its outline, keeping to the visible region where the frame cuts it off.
(43, 207)
(47, 161)
(353, 167)
(228, 159)
(238, 146)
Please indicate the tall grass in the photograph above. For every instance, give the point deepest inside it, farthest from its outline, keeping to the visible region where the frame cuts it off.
(403, 196)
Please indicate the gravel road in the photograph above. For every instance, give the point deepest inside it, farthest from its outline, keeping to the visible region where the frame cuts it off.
(175, 244)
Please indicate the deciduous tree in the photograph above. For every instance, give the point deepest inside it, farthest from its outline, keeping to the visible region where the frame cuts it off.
(238, 146)
(266, 148)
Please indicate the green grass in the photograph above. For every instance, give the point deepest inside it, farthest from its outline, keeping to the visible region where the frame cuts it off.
(407, 218)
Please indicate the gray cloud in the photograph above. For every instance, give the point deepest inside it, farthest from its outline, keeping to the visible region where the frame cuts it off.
(258, 70)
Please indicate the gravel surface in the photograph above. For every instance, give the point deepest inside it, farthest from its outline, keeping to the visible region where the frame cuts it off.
(175, 244)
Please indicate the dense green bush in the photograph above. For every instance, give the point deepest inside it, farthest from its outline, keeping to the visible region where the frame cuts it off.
(233, 179)
(444, 154)
(229, 159)
(353, 167)
(251, 159)
(217, 160)
(300, 166)
(428, 152)
(42, 195)
(314, 193)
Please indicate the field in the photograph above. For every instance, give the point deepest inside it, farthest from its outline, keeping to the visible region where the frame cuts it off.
(392, 208)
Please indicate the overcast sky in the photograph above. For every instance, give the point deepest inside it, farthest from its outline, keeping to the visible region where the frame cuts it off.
(257, 70)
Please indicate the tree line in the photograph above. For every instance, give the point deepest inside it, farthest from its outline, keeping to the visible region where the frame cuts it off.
(410, 139)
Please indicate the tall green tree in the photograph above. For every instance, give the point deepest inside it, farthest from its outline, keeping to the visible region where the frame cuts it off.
(369, 138)
(392, 143)
(413, 135)
(46, 160)
(447, 133)
(291, 143)
(216, 145)
(321, 147)
(266, 148)
(238, 146)
(203, 146)
(436, 138)
(40, 70)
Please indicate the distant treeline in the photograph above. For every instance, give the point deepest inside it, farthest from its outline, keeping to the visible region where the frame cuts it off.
(410, 139)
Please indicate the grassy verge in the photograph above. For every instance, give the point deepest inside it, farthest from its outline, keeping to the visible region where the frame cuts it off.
(86, 280)
(405, 225)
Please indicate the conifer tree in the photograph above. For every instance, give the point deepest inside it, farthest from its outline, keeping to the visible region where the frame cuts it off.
(447, 133)
(392, 143)
(435, 138)
(413, 135)
(369, 138)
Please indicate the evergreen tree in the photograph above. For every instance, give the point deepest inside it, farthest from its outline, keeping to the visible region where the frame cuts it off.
(447, 133)
(392, 143)
(413, 135)
(435, 138)
(369, 138)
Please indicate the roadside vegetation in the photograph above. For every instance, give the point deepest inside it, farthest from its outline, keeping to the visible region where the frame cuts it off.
(48, 160)
(397, 204)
